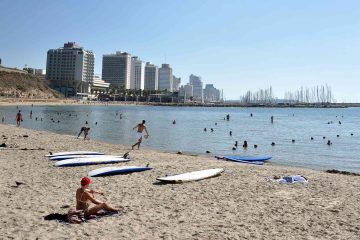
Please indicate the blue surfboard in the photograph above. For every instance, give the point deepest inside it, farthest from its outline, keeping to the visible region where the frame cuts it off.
(108, 171)
(248, 159)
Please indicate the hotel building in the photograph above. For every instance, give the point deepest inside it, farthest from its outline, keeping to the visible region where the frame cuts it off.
(70, 69)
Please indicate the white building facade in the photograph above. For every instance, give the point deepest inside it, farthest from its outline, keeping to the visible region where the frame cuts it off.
(186, 91)
(151, 77)
(211, 94)
(166, 78)
(116, 69)
(70, 69)
(197, 84)
(137, 75)
(176, 84)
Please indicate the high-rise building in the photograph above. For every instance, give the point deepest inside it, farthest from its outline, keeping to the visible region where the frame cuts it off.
(116, 69)
(211, 93)
(176, 84)
(186, 91)
(197, 84)
(70, 69)
(151, 77)
(165, 78)
(137, 75)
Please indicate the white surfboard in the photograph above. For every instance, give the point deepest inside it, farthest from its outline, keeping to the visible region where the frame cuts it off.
(88, 161)
(192, 176)
(64, 157)
(108, 171)
(73, 153)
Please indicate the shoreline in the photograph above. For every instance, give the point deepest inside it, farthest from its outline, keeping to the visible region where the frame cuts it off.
(228, 206)
(51, 102)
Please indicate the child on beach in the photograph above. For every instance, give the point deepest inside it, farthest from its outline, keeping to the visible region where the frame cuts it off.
(85, 196)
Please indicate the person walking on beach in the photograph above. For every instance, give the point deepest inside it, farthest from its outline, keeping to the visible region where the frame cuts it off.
(19, 118)
(140, 128)
(85, 196)
(83, 128)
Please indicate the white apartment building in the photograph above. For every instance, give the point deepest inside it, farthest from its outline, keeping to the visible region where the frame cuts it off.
(116, 69)
(70, 69)
(211, 94)
(197, 84)
(151, 77)
(186, 91)
(137, 75)
(176, 84)
(165, 78)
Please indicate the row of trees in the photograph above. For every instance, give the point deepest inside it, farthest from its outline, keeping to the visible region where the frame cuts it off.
(317, 94)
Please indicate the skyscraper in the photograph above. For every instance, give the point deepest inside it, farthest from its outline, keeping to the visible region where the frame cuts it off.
(137, 75)
(165, 78)
(70, 69)
(211, 93)
(186, 91)
(197, 84)
(116, 69)
(176, 84)
(151, 77)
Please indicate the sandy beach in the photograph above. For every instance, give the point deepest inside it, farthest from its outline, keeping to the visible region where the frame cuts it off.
(239, 204)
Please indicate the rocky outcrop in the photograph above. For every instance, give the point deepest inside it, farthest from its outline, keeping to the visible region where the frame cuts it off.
(23, 85)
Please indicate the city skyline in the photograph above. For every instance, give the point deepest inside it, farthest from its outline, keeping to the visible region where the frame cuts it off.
(236, 45)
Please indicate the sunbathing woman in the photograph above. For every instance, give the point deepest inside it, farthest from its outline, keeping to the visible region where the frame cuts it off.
(85, 196)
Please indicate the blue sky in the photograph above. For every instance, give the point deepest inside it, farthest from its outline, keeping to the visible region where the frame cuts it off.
(236, 45)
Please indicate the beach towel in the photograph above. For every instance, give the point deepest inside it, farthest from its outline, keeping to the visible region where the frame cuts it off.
(292, 179)
(77, 216)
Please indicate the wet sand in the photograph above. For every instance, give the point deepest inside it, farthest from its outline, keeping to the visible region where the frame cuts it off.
(239, 204)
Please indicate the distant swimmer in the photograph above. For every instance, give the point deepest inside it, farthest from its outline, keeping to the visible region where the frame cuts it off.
(215, 124)
(228, 117)
(324, 137)
(329, 142)
(236, 143)
(311, 138)
(30, 114)
(18, 118)
(272, 119)
(340, 122)
(251, 114)
(230, 133)
(293, 141)
(174, 122)
(204, 129)
(338, 135)
(212, 129)
(272, 144)
(245, 145)
(351, 134)
(96, 123)
(140, 128)
(255, 146)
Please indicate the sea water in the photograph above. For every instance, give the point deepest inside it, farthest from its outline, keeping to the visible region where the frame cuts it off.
(115, 125)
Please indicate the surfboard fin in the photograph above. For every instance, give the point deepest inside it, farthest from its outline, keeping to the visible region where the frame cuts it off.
(126, 155)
